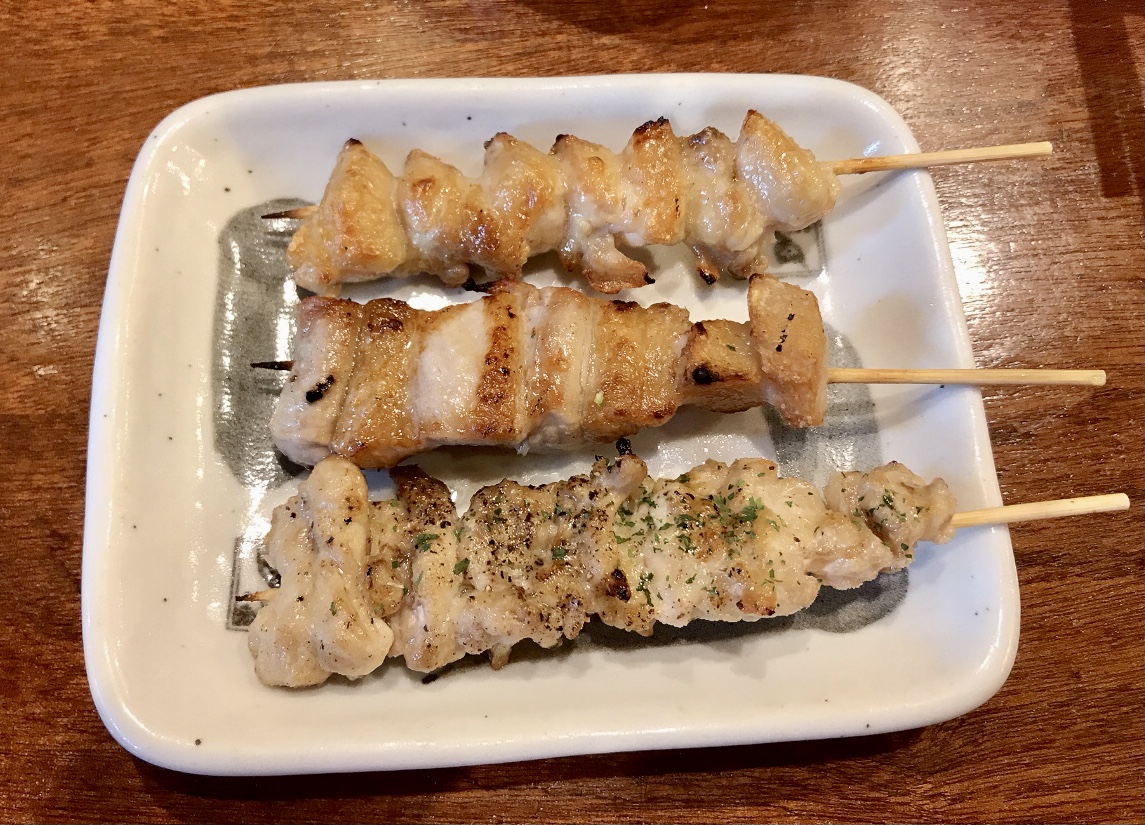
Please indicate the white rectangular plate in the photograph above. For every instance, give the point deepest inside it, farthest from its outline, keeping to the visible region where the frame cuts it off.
(170, 520)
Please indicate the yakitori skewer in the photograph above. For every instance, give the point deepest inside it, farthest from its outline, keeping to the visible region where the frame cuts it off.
(724, 200)
(859, 166)
(530, 368)
(1004, 377)
(411, 578)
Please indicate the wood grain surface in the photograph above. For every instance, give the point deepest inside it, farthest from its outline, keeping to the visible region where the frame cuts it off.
(1048, 256)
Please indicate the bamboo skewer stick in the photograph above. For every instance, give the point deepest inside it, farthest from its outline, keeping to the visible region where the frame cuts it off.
(295, 214)
(859, 166)
(976, 377)
(917, 160)
(1034, 510)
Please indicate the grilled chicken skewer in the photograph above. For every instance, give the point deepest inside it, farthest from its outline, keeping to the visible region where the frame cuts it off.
(724, 200)
(545, 369)
(533, 368)
(409, 577)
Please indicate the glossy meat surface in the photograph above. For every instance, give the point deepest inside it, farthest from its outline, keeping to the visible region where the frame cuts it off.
(723, 199)
(419, 581)
(536, 369)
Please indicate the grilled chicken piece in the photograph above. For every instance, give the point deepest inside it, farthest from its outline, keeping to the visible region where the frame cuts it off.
(723, 199)
(536, 369)
(323, 620)
(721, 542)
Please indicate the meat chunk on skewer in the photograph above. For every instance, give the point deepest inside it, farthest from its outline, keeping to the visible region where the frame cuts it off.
(323, 620)
(536, 369)
(723, 199)
(721, 542)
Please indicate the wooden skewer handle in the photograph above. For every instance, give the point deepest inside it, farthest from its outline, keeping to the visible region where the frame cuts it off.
(917, 160)
(1012, 513)
(982, 378)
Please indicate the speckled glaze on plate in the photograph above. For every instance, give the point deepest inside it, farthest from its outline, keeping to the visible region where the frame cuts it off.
(181, 479)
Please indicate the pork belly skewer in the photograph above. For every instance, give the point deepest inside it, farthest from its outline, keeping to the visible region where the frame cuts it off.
(724, 200)
(543, 369)
(411, 578)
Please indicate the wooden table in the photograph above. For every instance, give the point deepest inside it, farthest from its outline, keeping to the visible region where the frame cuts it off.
(1050, 266)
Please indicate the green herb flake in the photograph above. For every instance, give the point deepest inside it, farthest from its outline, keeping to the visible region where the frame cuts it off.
(333, 609)
(461, 567)
(422, 541)
(642, 587)
(559, 553)
(684, 478)
(598, 399)
(729, 346)
(750, 510)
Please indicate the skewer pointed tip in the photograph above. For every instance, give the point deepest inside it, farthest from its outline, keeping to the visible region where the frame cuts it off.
(297, 213)
(272, 365)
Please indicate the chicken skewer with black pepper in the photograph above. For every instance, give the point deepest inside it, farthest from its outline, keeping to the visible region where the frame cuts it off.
(409, 577)
(547, 369)
(412, 578)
